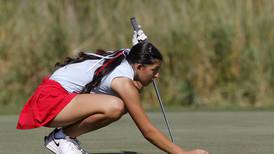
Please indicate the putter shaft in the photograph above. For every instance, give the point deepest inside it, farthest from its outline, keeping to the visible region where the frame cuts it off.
(163, 109)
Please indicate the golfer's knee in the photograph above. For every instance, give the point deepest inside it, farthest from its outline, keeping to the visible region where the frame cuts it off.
(115, 110)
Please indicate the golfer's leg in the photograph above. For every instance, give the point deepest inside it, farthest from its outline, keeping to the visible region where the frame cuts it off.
(88, 124)
(87, 112)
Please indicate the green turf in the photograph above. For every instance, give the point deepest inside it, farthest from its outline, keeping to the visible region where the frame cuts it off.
(249, 132)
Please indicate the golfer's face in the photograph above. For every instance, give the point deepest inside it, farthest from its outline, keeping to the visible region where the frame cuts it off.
(149, 72)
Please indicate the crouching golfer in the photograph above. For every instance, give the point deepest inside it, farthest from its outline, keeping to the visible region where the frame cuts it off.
(93, 90)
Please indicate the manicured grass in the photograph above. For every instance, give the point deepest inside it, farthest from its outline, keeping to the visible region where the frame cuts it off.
(247, 132)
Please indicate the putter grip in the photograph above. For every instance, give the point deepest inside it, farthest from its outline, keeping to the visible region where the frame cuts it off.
(136, 27)
(134, 24)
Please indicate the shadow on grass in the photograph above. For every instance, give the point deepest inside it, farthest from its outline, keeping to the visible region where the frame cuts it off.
(124, 152)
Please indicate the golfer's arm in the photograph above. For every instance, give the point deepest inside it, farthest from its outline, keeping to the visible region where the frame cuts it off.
(129, 94)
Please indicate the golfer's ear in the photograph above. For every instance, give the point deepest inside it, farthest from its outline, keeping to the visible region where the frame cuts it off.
(138, 66)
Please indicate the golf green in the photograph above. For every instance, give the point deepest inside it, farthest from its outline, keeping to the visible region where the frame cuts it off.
(246, 132)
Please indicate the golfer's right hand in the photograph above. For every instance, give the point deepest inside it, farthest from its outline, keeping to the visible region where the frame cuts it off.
(196, 151)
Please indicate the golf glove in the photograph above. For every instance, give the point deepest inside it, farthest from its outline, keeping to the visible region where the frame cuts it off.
(138, 37)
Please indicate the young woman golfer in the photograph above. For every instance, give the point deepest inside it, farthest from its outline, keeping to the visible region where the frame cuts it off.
(93, 90)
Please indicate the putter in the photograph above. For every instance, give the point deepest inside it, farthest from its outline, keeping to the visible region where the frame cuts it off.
(136, 28)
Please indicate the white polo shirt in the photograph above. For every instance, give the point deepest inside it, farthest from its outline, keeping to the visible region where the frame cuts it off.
(74, 77)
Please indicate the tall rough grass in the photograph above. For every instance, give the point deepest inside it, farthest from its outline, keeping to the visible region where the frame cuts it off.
(217, 53)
